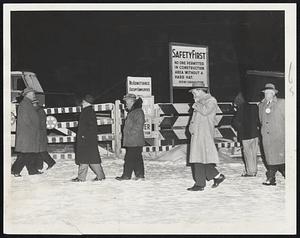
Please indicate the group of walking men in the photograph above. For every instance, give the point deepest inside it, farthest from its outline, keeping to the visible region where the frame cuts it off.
(250, 123)
(266, 124)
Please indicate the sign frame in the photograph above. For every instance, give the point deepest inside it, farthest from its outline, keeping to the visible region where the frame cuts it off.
(139, 79)
(171, 69)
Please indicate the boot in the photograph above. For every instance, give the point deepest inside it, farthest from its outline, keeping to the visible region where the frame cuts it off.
(218, 181)
(270, 182)
(196, 188)
(122, 178)
(51, 165)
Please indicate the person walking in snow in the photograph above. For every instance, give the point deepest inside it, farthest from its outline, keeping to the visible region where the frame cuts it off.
(133, 138)
(246, 123)
(27, 135)
(203, 152)
(272, 119)
(44, 156)
(87, 153)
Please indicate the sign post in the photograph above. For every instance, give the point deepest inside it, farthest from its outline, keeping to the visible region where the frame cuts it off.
(188, 66)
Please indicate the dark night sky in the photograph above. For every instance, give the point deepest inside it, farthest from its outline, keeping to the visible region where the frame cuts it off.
(94, 52)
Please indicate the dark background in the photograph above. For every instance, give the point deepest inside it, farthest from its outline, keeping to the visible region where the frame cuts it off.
(93, 52)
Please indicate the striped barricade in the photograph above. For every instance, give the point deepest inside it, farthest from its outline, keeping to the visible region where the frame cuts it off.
(174, 120)
(168, 125)
(146, 149)
(64, 110)
(61, 120)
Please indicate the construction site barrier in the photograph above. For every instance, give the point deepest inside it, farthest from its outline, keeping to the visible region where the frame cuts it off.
(166, 128)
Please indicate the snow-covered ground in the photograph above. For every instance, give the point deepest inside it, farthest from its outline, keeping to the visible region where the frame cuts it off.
(51, 203)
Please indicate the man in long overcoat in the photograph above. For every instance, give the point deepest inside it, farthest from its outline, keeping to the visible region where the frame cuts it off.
(272, 119)
(203, 152)
(87, 153)
(27, 135)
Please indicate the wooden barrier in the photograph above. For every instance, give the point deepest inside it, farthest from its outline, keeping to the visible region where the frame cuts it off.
(167, 127)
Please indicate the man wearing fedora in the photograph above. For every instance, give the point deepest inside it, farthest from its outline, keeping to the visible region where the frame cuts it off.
(272, 117)
(203, 152)
(133, 139)
(27, 135)
(87, 153)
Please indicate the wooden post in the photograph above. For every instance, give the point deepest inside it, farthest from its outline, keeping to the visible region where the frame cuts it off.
(157, 141)
(117, 129)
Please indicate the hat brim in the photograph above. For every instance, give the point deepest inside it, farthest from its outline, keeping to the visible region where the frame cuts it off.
(29, 91)
(275, 90)
(127, 98)
(199, 88)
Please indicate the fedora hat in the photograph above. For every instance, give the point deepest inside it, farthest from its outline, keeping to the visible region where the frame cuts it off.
(196, 89)
(27, 90)
(270, 86)
(129, 96)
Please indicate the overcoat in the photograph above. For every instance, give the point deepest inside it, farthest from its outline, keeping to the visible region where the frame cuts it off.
(202, 129)
(133, 133)
(87, 142)
(28, 126)
(273, 130)
(42, 136)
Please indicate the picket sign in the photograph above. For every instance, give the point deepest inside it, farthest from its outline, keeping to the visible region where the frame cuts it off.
(166, 126)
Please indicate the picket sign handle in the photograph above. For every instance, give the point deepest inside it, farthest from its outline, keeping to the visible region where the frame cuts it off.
(157, 141)
(117, 128)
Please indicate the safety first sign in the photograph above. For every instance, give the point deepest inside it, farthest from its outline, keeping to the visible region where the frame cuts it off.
(188, 65)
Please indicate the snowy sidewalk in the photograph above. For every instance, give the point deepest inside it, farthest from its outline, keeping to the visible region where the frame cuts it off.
(49, 202)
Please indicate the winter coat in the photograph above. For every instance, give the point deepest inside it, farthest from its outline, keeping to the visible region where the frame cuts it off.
(42, 136)
(87, 142)
(246, 121)
(133, 132)
(273, 130)
(28, 126)
(202, 129)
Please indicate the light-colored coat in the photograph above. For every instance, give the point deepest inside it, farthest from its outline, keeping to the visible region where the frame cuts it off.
(273, 130)
(202, 128)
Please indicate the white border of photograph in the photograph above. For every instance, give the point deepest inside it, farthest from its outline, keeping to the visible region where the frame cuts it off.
(285, 227)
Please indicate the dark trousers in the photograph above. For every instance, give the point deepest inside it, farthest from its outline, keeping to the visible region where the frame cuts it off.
(202, 172)
(272, 169)
(44, 157)
(25, 159)
(134, 162)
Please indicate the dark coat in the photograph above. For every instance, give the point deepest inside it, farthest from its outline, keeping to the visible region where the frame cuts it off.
(246, 121)
(42, 136)
(28, 126)
(87, 142)
(273, 130)
(133, 132)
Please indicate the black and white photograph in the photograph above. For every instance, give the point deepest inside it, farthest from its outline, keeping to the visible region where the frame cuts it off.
(149, 118)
